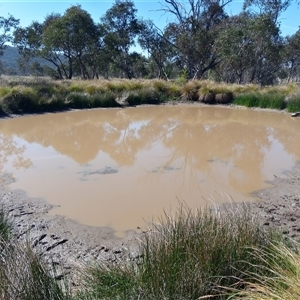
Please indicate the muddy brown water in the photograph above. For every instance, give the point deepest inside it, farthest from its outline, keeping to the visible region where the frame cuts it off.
(122, 168)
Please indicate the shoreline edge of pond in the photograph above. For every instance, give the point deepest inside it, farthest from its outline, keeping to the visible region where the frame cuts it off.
(65, 242)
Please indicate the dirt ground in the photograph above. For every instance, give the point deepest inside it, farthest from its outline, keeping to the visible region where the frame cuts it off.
(279, 205)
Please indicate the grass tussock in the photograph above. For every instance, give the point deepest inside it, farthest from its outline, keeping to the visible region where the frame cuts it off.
(283, 265)
(186, 256)
(19, 95)
(263, 100)
(23, 275)
(5, 226)
(293, 104)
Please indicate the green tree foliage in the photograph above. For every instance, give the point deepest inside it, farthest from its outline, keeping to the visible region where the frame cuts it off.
(273, 8)
(158, 48)
(66, 41)
(292, 56)
(29, 41)
(122, 28)
(200, 41)
(7, 25)
(249, 47)
(75, 36)
(193, 33)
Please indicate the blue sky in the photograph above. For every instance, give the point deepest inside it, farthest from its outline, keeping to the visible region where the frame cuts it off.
(36, 10)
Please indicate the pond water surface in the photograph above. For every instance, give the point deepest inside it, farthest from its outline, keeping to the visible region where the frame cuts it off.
(122, 167)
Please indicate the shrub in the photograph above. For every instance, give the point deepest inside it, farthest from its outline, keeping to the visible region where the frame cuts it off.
(20, 102)
(75, 88)
(208, 98)
(92, 89)
(55, 103)
(116, 86)
(2, 112)
(190, 91)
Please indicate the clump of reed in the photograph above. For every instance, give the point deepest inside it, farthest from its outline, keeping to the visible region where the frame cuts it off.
(263, 100)
(293, 103)
(19, 95)
(188, 255)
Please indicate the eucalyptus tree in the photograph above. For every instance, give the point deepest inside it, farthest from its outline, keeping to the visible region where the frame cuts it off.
(68, 40)
(272, 8)
(268, 40)
(74, 36)
(193, 33)
(122, 29)
(158, 48)
(29, 41)
(235, 47)
(250, 48)
(292, 56)
(7, 26)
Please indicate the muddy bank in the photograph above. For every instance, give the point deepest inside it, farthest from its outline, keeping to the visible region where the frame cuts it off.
(279, 205)
(67, 244)
(61, 241)
(166, 103)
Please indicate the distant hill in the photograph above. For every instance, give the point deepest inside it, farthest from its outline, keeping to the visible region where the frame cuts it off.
(9, 62)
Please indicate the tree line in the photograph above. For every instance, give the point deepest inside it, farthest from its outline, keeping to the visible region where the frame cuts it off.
(201, 42)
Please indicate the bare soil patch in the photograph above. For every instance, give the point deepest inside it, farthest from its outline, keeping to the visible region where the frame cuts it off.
(280, 204)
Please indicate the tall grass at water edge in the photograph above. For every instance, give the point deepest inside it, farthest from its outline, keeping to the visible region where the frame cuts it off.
(27, 95)
(262, 100)
(5, 226)
(24, 275)
(186, 256)
(293, 104)
(282, 283)
(269, 99)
